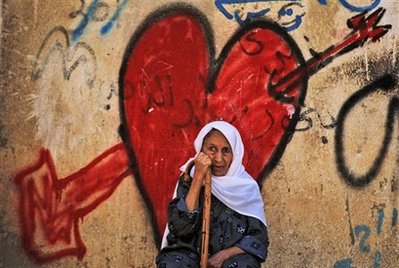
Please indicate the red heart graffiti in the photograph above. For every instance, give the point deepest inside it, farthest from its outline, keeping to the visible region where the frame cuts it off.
(171, 86)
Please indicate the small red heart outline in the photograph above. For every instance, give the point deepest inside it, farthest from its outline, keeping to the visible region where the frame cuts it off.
(171, 86)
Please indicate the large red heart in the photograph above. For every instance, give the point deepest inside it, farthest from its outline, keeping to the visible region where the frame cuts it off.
(171, 86)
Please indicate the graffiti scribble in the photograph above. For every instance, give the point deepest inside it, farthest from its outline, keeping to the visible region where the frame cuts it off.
(289, 16)
(383, 84)
(355, 7)
(57, 43)
(92, 15)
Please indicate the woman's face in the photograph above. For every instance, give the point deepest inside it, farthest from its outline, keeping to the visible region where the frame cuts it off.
(219, 150)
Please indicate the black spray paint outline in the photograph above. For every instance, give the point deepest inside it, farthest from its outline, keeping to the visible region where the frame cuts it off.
(67, 54)
(385, 83)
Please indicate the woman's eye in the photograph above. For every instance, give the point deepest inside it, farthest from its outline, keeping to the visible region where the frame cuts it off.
(226, 151)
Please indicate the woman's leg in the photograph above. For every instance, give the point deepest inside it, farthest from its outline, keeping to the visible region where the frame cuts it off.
(176, 259)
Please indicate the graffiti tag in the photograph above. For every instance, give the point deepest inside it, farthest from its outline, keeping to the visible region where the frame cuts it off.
(97, 11)
(363, 233)
(289, 15)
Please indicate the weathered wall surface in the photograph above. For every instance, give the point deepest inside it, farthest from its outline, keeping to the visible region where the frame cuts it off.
(68, 197)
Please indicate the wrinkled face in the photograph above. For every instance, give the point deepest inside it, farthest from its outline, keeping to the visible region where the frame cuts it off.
(217, 147)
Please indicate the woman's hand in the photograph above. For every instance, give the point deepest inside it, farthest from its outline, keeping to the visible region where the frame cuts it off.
(202, 164)
(216, 261)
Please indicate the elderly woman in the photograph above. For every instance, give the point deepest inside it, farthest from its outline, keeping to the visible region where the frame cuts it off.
(238, 230)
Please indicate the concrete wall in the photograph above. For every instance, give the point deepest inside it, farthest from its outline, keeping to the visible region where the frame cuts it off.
(71, 193)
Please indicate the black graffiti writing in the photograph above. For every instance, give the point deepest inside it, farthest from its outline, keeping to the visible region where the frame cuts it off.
(384, 84)
(308, 121)
(271, 122)
(257, 44)
(156, 92)
(57, 43)
(111, 90)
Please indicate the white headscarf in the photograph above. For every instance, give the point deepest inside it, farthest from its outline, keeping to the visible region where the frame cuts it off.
(237, 189)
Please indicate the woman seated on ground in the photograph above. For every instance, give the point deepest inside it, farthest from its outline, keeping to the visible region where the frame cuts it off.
(238, 231)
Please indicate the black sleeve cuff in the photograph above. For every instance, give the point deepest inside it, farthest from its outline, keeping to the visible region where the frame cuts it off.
(252, 245)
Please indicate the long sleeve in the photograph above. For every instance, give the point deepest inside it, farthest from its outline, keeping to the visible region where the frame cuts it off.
(182, 223)
(256, 240)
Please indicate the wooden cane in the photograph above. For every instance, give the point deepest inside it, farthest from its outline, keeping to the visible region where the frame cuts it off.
(206, 217)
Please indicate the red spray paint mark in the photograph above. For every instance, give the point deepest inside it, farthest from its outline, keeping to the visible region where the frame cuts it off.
(170, 87)
(51, 208)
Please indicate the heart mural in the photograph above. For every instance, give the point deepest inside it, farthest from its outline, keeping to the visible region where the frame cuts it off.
(171, 84)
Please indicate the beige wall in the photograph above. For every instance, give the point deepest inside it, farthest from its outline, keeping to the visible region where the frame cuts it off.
(316, 218)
